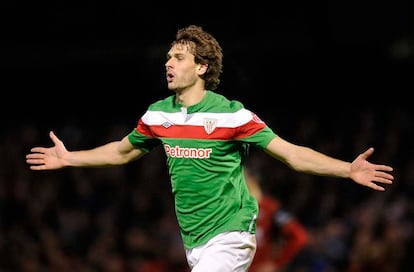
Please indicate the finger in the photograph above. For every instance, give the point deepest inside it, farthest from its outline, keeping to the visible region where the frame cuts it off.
(367, 153)
(37, 167)
(376, 187)
(383, 180)
(383, 168)
(384, 175)
(35, 161)
(54, 138)
(38, 150)
(35, 156)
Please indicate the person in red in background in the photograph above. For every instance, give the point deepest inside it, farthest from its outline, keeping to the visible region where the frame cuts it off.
(292, 234)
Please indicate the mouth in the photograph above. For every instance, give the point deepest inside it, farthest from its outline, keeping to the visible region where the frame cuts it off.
(170, 76)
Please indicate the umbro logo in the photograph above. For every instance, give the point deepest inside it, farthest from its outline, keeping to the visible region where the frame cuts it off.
(166, 124)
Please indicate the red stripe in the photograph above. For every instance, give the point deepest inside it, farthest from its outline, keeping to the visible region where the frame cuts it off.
(198, 132)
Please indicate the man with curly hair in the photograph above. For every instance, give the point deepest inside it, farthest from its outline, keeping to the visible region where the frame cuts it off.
(205, 137)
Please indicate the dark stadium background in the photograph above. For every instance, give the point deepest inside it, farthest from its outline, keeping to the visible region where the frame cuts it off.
(336, 76)
(108, 56)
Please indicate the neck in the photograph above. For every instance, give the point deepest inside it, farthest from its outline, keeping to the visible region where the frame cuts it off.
(190, 97)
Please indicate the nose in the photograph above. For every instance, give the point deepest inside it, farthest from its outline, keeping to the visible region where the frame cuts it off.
(168, 64)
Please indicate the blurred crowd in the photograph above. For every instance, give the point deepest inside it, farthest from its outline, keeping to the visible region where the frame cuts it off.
(122, 219)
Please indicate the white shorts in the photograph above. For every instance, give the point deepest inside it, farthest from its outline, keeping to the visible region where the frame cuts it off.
(227, 252)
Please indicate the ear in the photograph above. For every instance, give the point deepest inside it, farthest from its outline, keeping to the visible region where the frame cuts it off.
(201, 69)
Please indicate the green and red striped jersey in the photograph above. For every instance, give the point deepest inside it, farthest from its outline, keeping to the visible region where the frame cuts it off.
(205, 145)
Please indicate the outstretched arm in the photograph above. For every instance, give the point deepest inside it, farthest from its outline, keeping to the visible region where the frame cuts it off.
(307, 160)
(57, 156)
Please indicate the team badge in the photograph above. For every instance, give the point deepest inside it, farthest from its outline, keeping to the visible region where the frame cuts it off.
(210, 125)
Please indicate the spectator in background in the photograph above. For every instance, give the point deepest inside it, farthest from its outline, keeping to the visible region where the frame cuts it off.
(280, 236)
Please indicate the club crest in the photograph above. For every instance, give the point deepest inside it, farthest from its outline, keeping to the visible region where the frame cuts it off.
(210, 125)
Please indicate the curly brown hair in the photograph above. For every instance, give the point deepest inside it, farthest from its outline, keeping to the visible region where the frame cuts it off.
(205, 49)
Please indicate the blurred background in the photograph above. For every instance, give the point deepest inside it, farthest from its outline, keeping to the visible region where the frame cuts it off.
(333, 76)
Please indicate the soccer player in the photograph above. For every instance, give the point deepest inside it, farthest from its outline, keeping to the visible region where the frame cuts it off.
(280, 236)
(205, 137)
